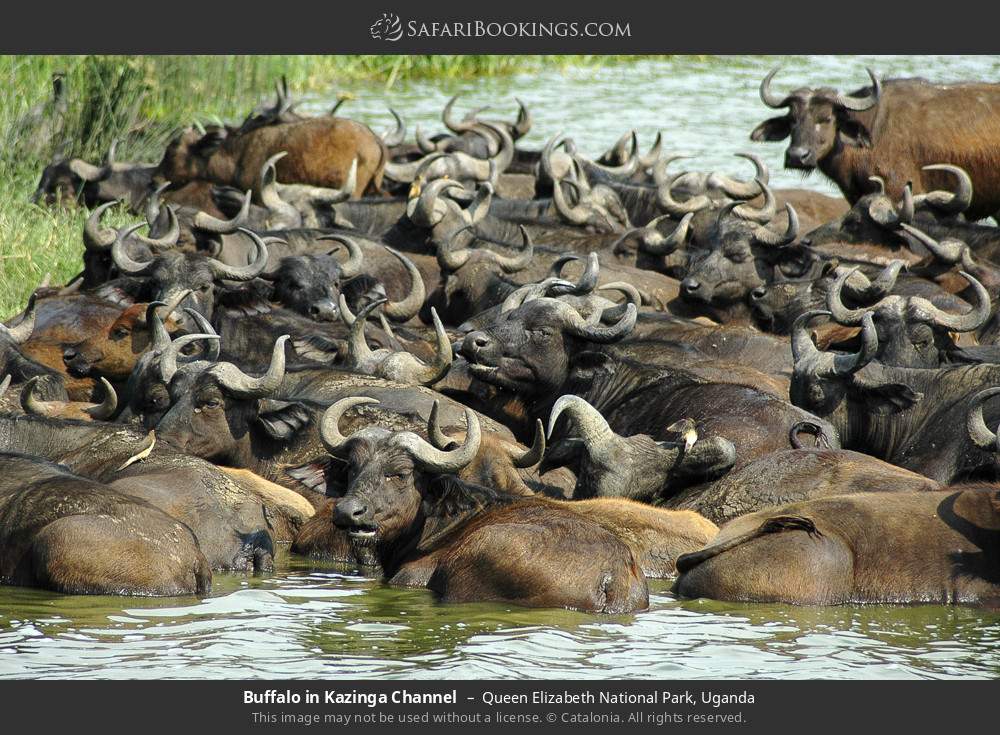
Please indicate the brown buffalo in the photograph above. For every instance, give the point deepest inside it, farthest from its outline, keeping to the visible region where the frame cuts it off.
(940, 547)
(470, 542)
(892, 130)
(321, 152)
(66, 533)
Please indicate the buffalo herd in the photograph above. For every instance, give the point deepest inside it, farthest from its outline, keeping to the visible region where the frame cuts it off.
(503, 373)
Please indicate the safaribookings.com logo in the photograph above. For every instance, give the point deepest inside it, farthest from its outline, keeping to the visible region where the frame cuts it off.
(390, 28)
(387, 28)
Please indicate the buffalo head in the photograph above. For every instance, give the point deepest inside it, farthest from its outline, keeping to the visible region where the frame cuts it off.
(529, 348)
(389, 474)
(818, 121)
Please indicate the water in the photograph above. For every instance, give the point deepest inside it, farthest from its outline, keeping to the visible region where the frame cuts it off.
(309, 621)
(705, 107)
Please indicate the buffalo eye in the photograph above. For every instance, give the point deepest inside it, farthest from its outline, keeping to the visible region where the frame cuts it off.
(120, 333)
(210, 403)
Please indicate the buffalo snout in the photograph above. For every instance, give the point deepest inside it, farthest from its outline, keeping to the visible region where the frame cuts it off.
(324, 311)
(350, 513)
(476, 344)
(691, 286)
(799, 157)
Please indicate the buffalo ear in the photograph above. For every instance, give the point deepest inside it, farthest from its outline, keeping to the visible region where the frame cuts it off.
(854, 133)
(315, 474)
(775, 128)
(886, 398)
(281, 419)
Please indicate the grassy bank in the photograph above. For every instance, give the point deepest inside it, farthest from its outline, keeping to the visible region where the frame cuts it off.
(140, 101)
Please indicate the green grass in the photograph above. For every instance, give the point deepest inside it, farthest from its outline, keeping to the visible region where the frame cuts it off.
(141, 101)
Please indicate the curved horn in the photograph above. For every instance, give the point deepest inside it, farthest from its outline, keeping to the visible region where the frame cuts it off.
(522, 125)
(851, 363)
(803, 346)
(421, 206)
(858, 104)
(208, 223)
(664, 194)
(159, 337)
(590, 424)
(840, 313)
(531, 457)
(4, 385)
(631, 294)
(395, 137)
(359, 354)
(949, 251)
(424, 142)
(735, 189)
(434, 432)
(169, 356)
(242, 385)
(122, 259)
(96, 237)
(403, 311)
(980, 434)
(763, 214)
(420, 373)
(575, 324)
(767, 96)
(450, 257)
(443, 461)
(407, 172)
(835, 364)
(104, 410)
(356, 256)
(32, 404)
(555, 270)
(515, 263)
(214, 347)
(574, 214)
(587, 281)
(455, 126)
(167, 241)
(766, 236)
(950, 202)
(648, 159)
(976, 317)
(329, 425)
(153, 203)
(245, 272)
(881, 287)
(655, 244)
(281, 214)
(21, 331)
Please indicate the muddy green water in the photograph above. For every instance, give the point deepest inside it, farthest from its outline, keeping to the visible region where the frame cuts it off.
(309, 621)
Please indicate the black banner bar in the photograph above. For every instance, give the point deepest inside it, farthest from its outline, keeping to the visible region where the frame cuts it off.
(513, 26)
(600, 707)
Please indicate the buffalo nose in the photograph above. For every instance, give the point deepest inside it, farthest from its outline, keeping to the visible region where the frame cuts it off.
(798, 156)
(349, 512)
(758, 293)
(475, 342)
(690, 285)
(323, 311)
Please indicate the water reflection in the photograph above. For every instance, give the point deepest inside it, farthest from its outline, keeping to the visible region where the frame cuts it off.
(306, 621)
